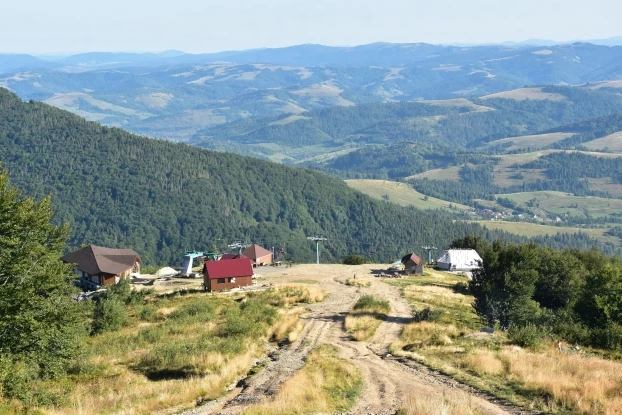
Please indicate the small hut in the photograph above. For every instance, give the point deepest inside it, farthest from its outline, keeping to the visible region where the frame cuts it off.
(412, 264)
(459, 260)
(258, 255)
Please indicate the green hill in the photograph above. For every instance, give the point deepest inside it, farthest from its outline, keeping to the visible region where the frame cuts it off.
(118, 189)
(457, 123)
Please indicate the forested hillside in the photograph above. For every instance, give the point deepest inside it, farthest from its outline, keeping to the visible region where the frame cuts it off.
(160, 198)
(461, 123)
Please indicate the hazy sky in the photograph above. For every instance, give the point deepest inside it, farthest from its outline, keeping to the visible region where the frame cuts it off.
(46, 26)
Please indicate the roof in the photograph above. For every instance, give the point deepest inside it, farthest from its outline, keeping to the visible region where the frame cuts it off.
(98, 259)
(255, 251)
(467, 257)
(411, 257)
(231, 256)
(231, 268)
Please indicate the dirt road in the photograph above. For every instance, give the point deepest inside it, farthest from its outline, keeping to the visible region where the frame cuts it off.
(388, 383)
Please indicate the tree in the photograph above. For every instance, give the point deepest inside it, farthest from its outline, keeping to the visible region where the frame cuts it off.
(40, 325)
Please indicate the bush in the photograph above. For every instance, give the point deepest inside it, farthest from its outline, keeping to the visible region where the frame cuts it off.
(109, 314)
(354, 260)
(373, 304)
(528, 335)
(609, 337)
(427, 314)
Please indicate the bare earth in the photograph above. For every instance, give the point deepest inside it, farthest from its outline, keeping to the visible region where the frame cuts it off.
(388, 382)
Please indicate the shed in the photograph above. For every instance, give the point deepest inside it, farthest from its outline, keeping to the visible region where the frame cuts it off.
(258, 255)
(228, 274)
(412, 264)
(459, 260)
(99, 266)
(231, 256)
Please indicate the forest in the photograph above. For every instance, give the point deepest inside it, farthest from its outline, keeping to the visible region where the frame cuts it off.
(160, 198)
(537, 293)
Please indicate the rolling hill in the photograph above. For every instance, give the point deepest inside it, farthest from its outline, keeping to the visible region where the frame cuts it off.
(173, 95)
(118, 189)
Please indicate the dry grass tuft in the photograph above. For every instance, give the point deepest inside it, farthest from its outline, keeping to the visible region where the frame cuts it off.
(367, 315)
(352, 282)
(484, 361)
(325, 384)
(427, 334)
(451, 402)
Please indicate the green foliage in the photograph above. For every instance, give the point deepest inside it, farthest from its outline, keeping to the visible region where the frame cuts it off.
(427, 314)
(534, 291)
(528, 335)
(372, 303)
(40, 326)
(109, 314)
(353, 259)
(160, 198)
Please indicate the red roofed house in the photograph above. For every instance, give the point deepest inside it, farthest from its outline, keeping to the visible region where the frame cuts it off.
(258, 255)
(231, 256)
(412, 264)
(228, 274)
(98, 266)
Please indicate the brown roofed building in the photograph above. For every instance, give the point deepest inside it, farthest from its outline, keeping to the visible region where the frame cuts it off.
(98, 266)
(412, 264)
(258, 255)
(227, 274)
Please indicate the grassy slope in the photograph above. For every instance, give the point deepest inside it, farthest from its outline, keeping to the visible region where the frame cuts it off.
(530, 141)
(612, 142)
(559, 203)
(400, 193)
(542, 379)
(534, 229)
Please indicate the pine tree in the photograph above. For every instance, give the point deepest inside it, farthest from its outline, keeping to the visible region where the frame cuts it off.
(40, 325)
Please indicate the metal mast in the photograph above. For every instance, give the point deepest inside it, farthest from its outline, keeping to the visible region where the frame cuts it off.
(429, 248)
(317, 240)
(239, 245)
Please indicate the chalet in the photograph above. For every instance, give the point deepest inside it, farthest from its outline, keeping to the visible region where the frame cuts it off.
(227, 274)
(459, 260)
(98, 266)
(412, 264)
(231, 256)
(258, 255)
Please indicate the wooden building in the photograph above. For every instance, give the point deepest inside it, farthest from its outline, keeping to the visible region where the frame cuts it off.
(227, 274)
(258, 255)
(412, 264)
(98, 266)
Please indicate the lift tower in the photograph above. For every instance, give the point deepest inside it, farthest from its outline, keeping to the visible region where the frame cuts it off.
(317, 240)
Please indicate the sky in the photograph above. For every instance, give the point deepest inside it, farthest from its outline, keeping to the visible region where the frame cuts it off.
(195, 26)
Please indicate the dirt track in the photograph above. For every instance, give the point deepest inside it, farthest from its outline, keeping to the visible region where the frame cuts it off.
(387, 382)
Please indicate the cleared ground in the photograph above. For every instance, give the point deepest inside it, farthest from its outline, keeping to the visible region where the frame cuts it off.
(388, 383)
(400, 193)
(526, 93)
(529, 141)
(560, 203)
(534, 229)
(612, 142)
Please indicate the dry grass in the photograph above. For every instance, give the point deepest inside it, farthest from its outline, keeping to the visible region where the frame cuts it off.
(192, 349)
(549, 381)
(451, 402)
(358, 283)
(366, 316)
(325, 384)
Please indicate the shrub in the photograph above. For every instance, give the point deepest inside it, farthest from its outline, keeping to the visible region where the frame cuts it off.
(528, 335)
(427, 314)
(354, 260)
(372, 303)
(109, 314)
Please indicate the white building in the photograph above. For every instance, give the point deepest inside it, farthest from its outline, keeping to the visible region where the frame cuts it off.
(459, 260)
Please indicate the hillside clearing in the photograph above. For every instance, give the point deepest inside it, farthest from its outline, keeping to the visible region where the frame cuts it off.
(522, 94)
(402, 194)
(612, 142)
(529, 141)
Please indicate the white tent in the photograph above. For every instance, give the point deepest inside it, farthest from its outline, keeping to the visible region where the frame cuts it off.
(459, 260)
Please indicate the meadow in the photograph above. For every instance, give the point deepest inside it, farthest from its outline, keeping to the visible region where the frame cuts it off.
(175, 351)
(445, 335)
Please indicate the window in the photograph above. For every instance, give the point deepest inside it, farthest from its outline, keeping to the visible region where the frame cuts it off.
(220, 280)
(231, 279)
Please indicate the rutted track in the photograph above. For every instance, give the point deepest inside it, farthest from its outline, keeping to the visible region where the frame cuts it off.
(387, 382)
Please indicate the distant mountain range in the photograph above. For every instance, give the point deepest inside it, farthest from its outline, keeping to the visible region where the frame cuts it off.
(174, 95)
